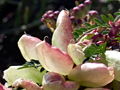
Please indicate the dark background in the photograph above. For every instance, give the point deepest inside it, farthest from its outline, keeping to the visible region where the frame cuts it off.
(19, 16)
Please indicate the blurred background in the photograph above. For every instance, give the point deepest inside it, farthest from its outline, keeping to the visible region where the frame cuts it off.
(24, 16)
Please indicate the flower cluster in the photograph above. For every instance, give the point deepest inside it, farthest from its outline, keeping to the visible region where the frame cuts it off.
(68, 64)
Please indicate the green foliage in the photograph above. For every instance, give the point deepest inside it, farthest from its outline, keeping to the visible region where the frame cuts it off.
(117, 16)
(87, 24)
(108, 1)
(32, 63)
(111, 17)
(94, 50)
(98, 23)
(105, 19)
(118, 39)
(106, 31)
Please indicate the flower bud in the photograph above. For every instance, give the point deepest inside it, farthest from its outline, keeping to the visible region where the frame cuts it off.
(13, 73)
(87, 5)
(49, 12)
(45, 16)
(93, 14)
(55, 81)
(43, 20)
(56, 13)
(76, 53)
(77, 13)
(27, 45)
(82, 10)
(92, 74)
(51, 16)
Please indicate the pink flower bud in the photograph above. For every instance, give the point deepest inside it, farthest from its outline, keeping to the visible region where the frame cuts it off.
(92, 74)
(51, 16)
(63, 33)
(53, 59)
(55, 81)
(56, 13)
(49, 12)
(27, 45)
(81, 6)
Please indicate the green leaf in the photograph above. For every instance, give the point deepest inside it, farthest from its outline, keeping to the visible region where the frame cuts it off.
(93, 27)
(83, 29)
(94, 50)
(111, 17)
(117, 13)
(116, 18)
(106, 31)
(79, 32)
(87, 24)
(105, 19)
(108, 1)
(102, 48)
(118, 34)
(32, 63)
(99, 22)
(118, 38)
(75, 34)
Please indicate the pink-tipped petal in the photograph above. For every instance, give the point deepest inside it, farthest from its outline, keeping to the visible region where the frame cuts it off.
(70, 85)
(26, 84)
(92, 74)
(53, 59)
(3, 87)
(55, 81)
(27, 46)
(63, 33)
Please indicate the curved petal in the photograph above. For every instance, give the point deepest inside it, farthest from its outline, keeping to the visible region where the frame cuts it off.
(76, 53)
(55, 81)
(26, 84)
(13, 73)
(63, 33)
(3, 87)
(92, 74)
(113, 58)
(53, 59)
(27, 45)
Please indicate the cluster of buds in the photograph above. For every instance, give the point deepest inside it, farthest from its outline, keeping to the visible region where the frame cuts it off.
(49, 18)
(79, 15)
